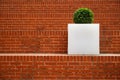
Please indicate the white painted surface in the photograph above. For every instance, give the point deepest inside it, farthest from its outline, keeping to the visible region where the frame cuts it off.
(83, 38)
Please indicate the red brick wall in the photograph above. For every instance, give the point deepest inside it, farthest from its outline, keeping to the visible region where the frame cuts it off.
(60, 67)
(41, 25)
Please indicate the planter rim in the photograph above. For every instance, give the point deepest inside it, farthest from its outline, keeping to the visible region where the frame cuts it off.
(82, 24)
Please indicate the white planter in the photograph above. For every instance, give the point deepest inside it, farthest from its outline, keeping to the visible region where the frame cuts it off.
(83, 39)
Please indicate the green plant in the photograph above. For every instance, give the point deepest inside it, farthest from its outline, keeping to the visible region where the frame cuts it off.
(83, 15)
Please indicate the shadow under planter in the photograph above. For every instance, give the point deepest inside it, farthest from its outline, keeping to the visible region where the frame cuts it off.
(83, 39)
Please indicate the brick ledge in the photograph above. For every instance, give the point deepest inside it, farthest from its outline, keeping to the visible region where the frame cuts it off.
(51, 54)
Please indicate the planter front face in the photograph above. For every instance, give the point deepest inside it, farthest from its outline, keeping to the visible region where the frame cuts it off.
(83, 38)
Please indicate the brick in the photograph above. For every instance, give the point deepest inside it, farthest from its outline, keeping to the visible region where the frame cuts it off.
(54, 67)
(41, 26)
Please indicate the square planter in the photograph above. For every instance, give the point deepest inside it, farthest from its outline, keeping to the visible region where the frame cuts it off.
(83, 38)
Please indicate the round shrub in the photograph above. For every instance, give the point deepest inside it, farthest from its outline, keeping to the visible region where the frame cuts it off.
(83, 15)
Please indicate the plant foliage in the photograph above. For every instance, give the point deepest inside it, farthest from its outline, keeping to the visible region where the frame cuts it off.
(83, 15)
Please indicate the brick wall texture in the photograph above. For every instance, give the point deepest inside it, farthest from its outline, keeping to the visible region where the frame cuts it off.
(40, 26)
(60, 67)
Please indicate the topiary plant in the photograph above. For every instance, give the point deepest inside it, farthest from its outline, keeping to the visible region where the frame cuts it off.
(83, 15)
